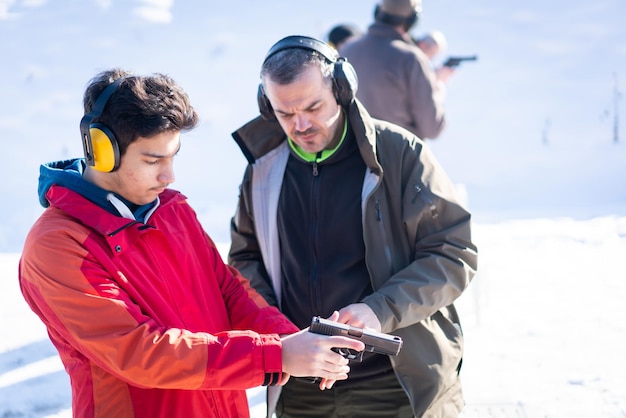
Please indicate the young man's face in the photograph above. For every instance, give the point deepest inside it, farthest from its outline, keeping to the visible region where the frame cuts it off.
(307, 110)
(146, 169)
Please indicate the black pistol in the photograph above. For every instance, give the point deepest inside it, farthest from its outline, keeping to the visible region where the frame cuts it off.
(375, 342)
(454, 62)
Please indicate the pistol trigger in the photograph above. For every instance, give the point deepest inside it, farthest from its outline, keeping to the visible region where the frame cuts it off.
(345, 352)
(349, 354)
(353, 355)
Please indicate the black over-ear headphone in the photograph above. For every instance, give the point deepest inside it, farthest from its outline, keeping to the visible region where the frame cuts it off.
(393, 20)
(100, 146)
(345, 80)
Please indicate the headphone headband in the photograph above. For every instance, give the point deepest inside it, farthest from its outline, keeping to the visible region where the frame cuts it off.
(98, 107)
(405, 21)
(99, 143)
(345, 80)
(303, 42)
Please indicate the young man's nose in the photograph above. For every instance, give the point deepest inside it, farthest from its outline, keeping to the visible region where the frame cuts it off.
(166, 175)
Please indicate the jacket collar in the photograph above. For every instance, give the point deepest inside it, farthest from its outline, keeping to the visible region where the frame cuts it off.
(259, 136)
(69, 174)
(364, 130)
(94, 216)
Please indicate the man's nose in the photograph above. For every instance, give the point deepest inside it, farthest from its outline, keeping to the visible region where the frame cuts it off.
(302, 123)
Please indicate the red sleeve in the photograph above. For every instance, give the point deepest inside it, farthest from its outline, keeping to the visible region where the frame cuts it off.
(248, 309)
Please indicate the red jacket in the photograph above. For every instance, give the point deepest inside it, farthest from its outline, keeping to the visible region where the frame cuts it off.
(147, 319)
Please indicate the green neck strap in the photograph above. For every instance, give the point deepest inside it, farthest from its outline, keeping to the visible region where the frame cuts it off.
(319, 156)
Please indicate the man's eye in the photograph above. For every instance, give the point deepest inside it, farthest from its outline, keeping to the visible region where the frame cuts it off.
(153, 162)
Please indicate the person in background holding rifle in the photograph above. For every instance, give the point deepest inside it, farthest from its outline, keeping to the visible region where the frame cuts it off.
(398, 83)
(147, 319)
(432, 44)
(345, 216)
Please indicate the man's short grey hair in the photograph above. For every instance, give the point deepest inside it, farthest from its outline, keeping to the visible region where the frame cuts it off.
(285, 66)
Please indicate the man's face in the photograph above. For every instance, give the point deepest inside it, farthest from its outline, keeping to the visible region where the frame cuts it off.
(307, 110)
(146, 168)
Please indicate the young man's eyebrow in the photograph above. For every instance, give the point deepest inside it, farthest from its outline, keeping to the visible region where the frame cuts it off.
(149, 154)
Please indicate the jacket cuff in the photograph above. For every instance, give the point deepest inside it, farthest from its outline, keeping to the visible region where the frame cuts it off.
(271, 379)
(272, 358)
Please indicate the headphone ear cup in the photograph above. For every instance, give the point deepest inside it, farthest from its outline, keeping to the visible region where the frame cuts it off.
(102, 152)
(105, 149)
(346, 82)
(265, 107)
(411, 21)
(376, 11)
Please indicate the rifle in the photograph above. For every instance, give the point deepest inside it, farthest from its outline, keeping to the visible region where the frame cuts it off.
(454, 62)
(375, 342)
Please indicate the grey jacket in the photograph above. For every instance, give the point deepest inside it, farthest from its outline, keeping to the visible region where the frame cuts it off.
(418, 247)
(396, 81)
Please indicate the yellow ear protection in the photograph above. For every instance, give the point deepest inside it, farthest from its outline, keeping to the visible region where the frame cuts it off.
(345, 80)
(99, 143)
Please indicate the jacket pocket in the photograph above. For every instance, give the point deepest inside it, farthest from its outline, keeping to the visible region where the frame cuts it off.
(430, 210)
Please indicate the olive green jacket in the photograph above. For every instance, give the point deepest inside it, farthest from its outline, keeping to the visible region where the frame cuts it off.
(417, 236)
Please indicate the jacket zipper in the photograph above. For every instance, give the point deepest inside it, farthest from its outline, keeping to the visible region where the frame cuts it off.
(383, 234)
(434, 213)
(315, 281)
(317, 157)
(117, 231)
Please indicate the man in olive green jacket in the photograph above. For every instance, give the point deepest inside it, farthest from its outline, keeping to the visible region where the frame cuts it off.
(417, 247)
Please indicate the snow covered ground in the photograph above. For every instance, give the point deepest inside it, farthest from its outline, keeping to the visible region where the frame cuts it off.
(544, 325)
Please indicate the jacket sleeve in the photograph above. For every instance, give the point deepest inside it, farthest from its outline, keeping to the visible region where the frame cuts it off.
(245, 253)
(426, 99)
(433, 261)
(248, 309)
(93, 320)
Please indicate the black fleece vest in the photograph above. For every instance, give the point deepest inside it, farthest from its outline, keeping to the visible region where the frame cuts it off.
(321, 241)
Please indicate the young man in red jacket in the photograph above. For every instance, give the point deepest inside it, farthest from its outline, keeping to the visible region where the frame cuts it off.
(147, 319)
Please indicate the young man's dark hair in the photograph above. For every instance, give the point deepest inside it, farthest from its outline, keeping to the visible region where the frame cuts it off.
(140, 106)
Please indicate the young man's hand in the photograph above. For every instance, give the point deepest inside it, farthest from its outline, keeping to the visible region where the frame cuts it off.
(307, 354)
